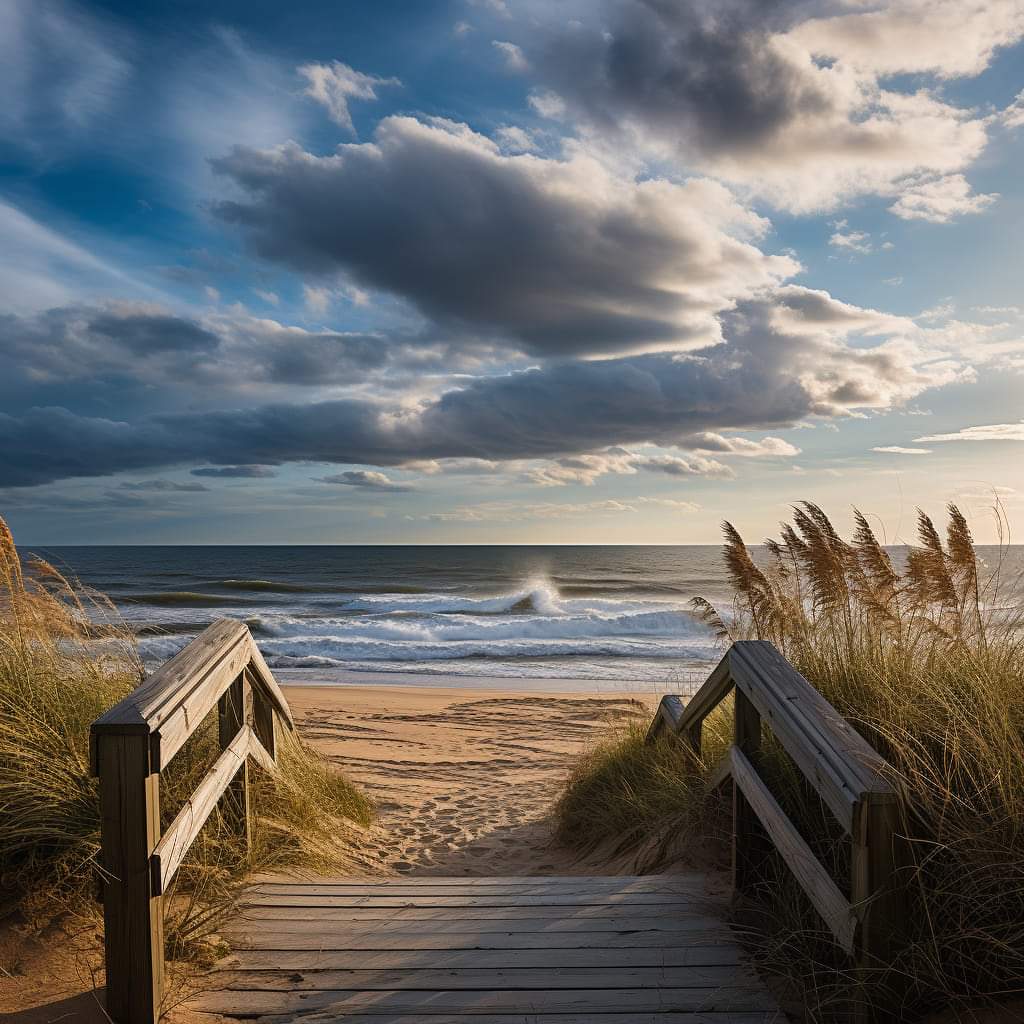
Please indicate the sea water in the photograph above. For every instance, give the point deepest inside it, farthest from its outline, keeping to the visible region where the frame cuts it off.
(605, 617)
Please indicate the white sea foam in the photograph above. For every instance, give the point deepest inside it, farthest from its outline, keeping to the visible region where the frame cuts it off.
(531, 622)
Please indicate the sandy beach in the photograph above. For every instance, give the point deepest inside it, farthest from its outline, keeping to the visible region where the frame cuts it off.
(464, 779)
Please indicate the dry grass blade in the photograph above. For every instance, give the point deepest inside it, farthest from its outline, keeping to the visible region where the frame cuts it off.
(924, 654)
(65, 658)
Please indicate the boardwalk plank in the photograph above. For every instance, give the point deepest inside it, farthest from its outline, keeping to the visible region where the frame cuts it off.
(606, 950)
(632, 1000)
(436, 959)
(483, 979)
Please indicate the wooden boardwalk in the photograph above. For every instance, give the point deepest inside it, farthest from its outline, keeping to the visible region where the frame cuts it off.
(609, 950)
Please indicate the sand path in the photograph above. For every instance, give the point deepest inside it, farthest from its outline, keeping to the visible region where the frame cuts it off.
(464, 780)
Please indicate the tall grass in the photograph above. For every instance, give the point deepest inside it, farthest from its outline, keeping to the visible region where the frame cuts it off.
(64, 659)
(923, 651)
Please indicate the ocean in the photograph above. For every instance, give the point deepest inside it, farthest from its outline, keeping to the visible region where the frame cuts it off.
(599, 617)
(614, 618)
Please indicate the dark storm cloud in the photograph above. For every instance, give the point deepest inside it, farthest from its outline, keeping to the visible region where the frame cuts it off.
(161, 485)
(241, 472)
(763, 377)
(689, 70)
(120, 350)
(559, 256)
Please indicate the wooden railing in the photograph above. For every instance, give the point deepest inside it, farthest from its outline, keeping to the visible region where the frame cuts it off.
(844, 770)
(131, 745)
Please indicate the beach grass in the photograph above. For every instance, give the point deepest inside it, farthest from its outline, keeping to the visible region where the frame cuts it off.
(923, 652)
(65, 658)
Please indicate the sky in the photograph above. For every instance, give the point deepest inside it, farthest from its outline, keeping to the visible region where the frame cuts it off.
(508, 271)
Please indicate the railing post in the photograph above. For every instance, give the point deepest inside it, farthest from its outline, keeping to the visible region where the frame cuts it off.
(263, 720)
(233, 711)
(748, 840)
(878, 895)
(132, 913)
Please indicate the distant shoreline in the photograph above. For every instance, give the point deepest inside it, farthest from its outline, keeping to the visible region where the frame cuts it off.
(301, 678)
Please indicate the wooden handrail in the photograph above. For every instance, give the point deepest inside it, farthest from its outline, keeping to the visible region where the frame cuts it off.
(842, 767)
(130, 745)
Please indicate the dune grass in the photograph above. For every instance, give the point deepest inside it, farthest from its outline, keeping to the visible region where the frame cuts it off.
(923, 652)
(64, 659)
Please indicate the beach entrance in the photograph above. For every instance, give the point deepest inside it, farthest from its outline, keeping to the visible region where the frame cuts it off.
(517, 948)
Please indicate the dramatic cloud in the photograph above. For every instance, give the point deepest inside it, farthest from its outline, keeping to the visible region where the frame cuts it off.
(989, 432)
(762, 377)
(240, 472)
(161, 485)
(367, 479)
(561, 256)
(894, 449)
(335, 84)
(117, 348)
(797, 108)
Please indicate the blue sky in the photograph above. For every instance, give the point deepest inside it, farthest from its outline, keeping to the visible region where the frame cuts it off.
(503, 271)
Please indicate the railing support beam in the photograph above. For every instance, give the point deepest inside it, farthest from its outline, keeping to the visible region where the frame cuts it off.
(132, 912)
(749, 844)
(233, 711)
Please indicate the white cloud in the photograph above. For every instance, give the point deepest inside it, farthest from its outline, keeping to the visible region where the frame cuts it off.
(807, 117)
(317, 298)
(366, 479)
(897, 450)
(988, 432)
(271, 298)
(1013, 115)
(515, 140)
(334, 84)
(848, 239)
(515, 59)
(941, 199)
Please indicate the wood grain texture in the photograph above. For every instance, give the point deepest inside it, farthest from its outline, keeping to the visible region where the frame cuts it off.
(181, 833)
(816, 882)
(596, 1017)
(724, 954)
(471, 1003)
(132, 909)
(654, 949)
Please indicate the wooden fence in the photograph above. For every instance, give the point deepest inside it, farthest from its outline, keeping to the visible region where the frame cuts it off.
(844, 770)
(131, 745)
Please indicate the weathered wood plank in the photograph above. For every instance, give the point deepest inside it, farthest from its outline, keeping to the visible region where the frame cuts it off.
(482, 979)
(132, 909)
(424, 888)
(725, 954)
(412, 920)
(181, 833)
(475, 881)
(667, 716)
(834, 758)
(719, 998)
(384, 940)
(364, 916)
(596, 1017)
(264, 679)
(715, 689)
(549, 899)
(823, 893)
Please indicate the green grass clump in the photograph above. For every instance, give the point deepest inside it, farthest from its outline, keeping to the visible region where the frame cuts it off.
(64, 660)
(923, 652)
